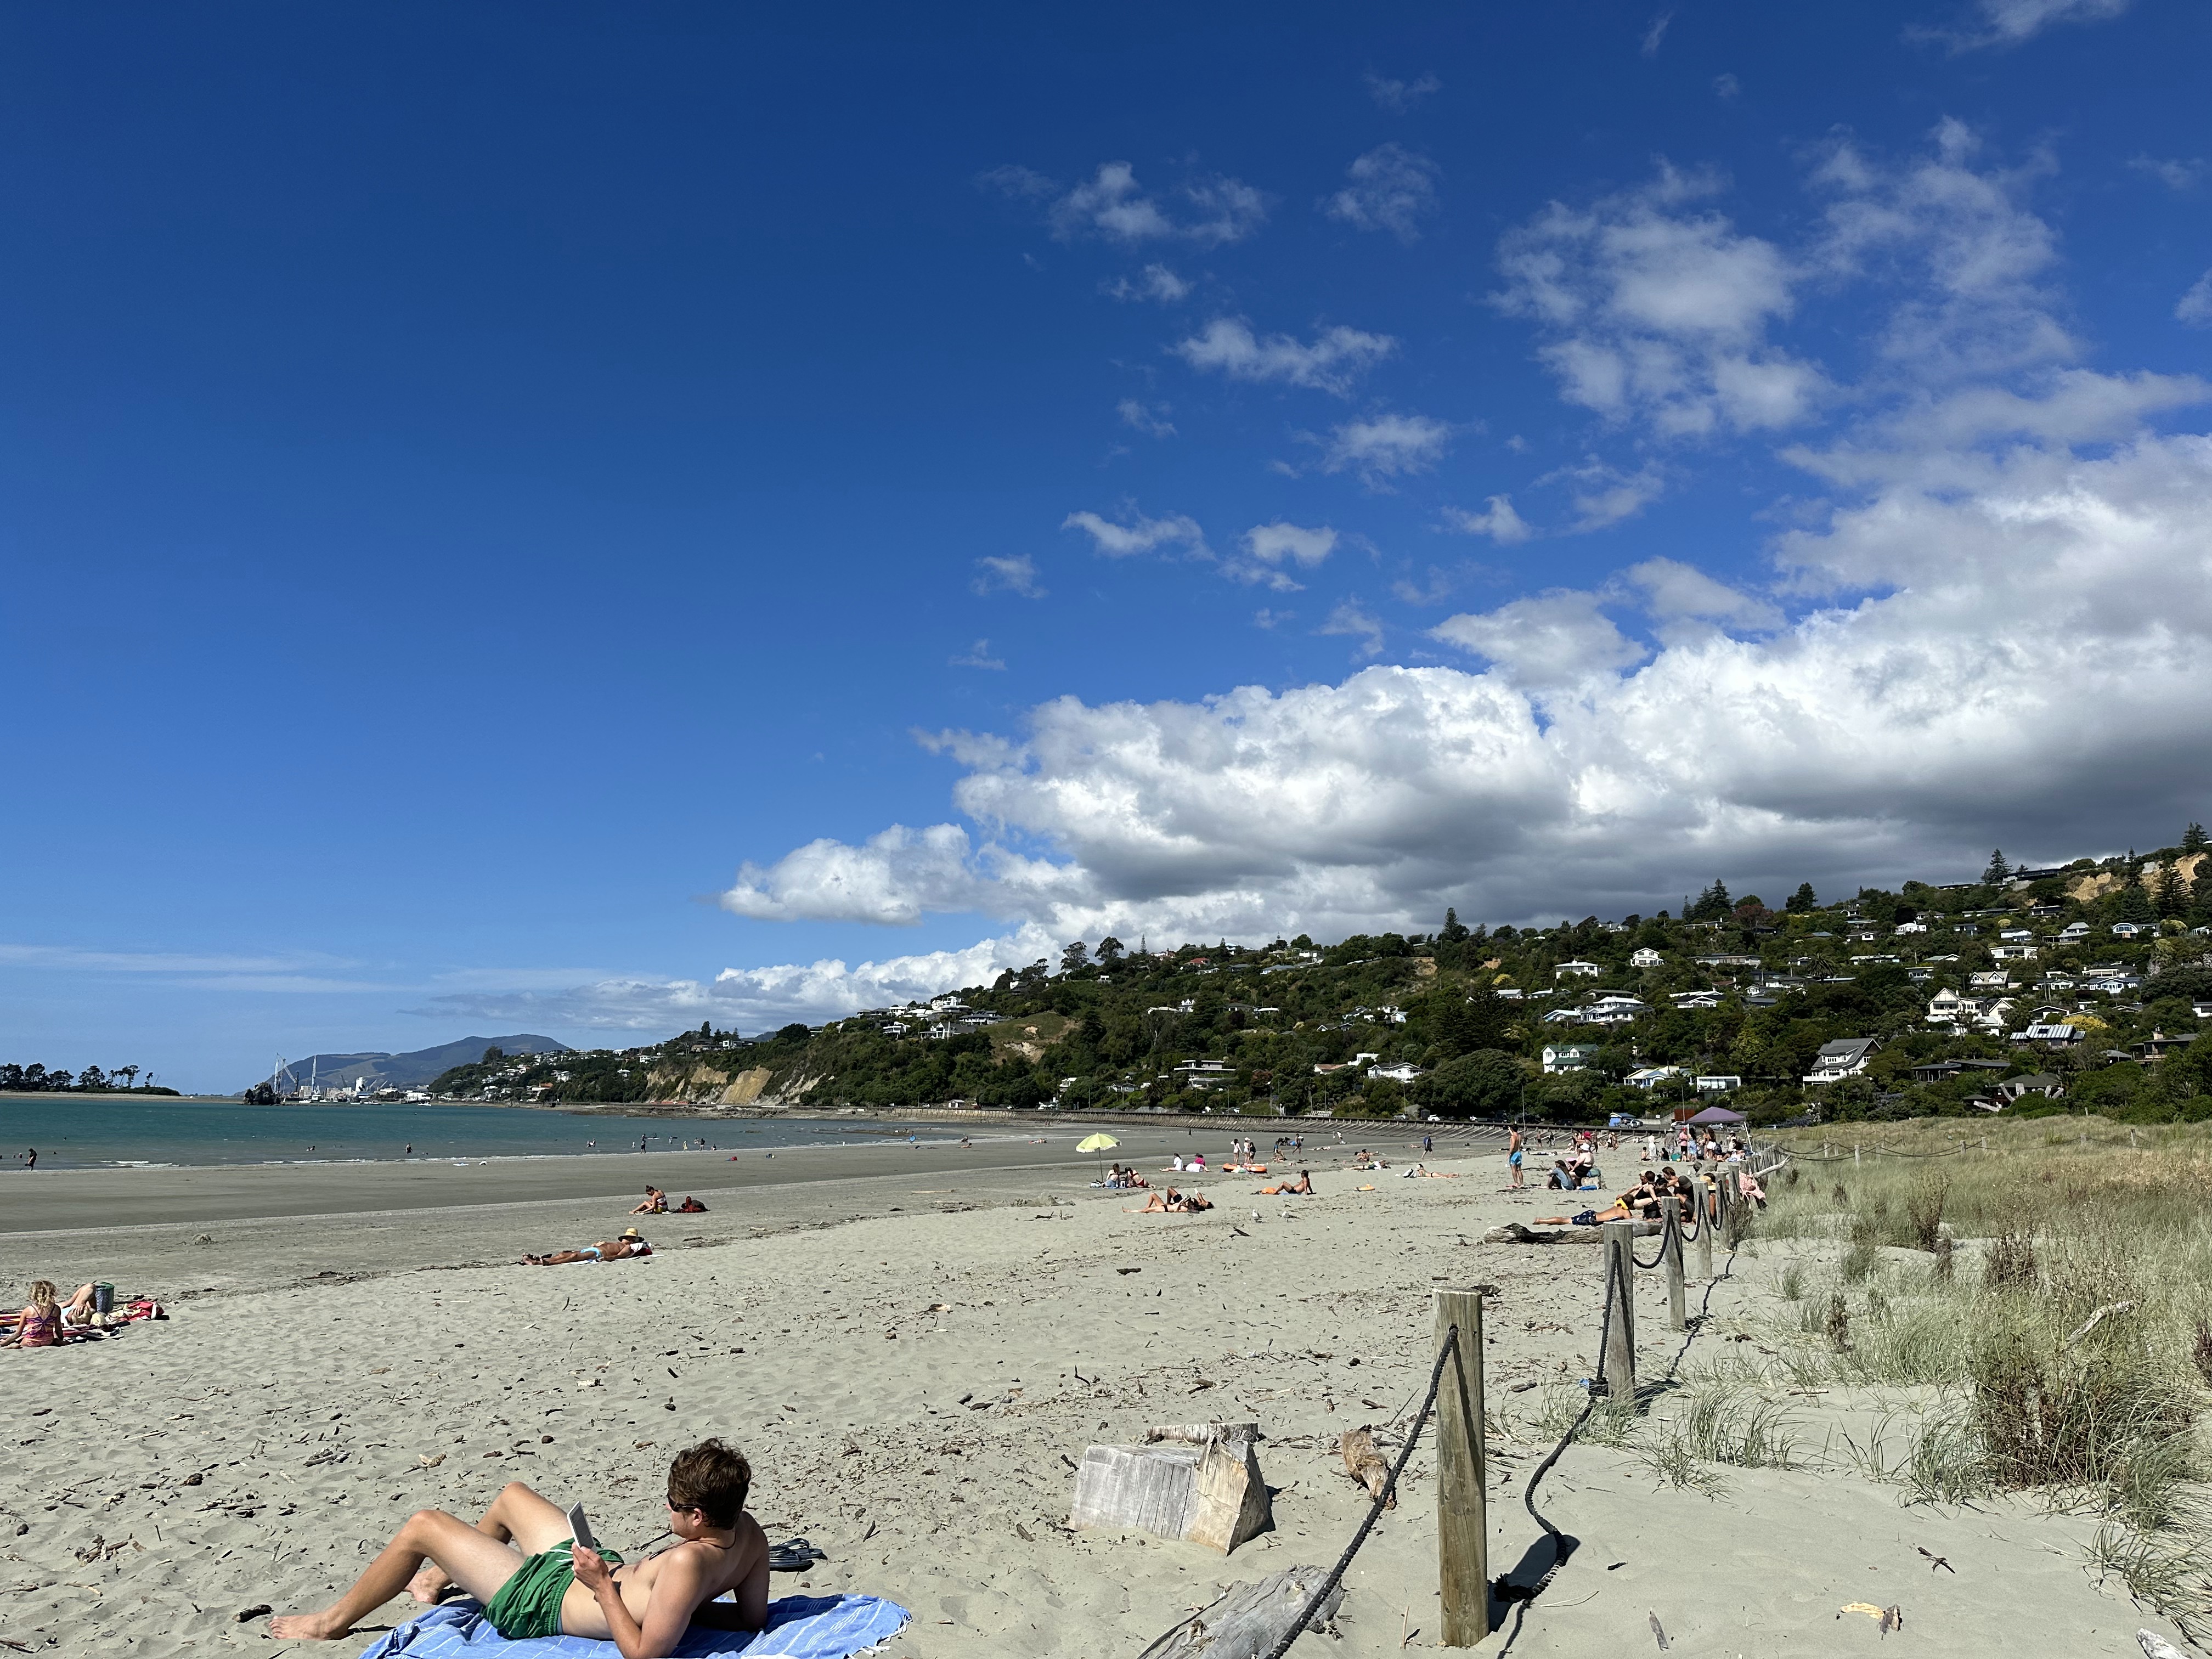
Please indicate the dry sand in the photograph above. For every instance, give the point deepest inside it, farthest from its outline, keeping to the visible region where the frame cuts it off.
(259, 1446)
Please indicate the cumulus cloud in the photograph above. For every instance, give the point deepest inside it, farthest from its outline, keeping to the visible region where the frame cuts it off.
(1544, 642)
(1387, 446)
(1017, 574)
(1155, 281)
(1655, 308)
(2042, 676)
(1334, 358)
(1139, 535)
(1496, 520)
(751, 1000)
(1673, 591)
(1269, 548)
(2195, 306)
(1399, 96)
(1391, 188)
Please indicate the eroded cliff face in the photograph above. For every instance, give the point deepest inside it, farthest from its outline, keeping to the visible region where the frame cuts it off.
(703, 1085)
(2097, 883)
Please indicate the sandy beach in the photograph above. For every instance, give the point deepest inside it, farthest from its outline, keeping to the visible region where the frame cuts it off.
(912, 1355)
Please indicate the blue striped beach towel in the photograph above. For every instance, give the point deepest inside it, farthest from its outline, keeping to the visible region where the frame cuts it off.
(799, 1627)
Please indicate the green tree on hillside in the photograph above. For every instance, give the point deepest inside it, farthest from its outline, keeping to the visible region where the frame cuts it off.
(1999, 870)
(1803, 901)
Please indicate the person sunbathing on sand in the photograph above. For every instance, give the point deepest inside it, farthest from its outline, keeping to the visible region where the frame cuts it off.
(1303, 1184)
(607, 1250)
(1178, 1203)
(534, 1580)
(656, 1203)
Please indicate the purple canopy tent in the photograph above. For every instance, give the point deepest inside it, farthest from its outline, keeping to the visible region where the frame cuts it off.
(1719, 1114)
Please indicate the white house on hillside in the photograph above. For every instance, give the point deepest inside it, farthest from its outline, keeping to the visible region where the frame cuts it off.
(1645, 956)
(1587, 970)
(1568, 1057)
(1846, 1057)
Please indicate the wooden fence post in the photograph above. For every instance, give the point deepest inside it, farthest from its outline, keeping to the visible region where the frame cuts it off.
(1670, 1216)
(1462, 1523)
(1619, 1356)
(1706, 1218)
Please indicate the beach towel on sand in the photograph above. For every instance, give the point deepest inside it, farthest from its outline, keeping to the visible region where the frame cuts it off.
(799, 1627)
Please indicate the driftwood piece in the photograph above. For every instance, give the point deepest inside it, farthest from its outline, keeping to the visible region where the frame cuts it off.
(1249, 1620)
(1365, 1462)
(1209, 1492)
(1197, 1434)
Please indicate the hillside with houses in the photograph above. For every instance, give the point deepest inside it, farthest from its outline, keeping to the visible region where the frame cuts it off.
(2086, 987)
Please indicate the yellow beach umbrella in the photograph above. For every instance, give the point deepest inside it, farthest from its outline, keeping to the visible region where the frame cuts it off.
(1098, 1143)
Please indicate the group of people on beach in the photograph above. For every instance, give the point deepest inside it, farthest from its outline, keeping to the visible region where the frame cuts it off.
(656, 1203)
(47, 1322)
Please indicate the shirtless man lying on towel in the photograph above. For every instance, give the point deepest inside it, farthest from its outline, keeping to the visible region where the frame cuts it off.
(522, 1563)
(607, 1250)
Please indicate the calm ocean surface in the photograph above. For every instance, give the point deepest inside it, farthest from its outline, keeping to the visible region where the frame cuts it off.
(73, 1133)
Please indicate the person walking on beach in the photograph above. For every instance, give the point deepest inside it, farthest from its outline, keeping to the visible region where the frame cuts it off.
(1513, 1149)
(537, 1580)
(34, 1155)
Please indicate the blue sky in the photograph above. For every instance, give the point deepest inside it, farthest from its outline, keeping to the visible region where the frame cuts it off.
(586, 520)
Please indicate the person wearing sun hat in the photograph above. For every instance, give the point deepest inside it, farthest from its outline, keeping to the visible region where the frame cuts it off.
(631, 1243)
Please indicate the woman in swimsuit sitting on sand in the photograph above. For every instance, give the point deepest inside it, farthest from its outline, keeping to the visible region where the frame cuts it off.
(1303, 1184)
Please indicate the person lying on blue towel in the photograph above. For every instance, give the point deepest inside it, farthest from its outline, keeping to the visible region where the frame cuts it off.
(534, 1579)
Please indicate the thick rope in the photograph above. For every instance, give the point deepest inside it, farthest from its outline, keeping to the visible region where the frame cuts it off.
(1314, 1601)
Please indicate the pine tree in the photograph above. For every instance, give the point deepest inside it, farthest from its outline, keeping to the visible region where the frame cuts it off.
(1803, 900)
(2194, 840)
(1999, 872)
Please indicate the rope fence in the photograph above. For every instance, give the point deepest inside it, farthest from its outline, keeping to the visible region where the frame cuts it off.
(1461, 1494)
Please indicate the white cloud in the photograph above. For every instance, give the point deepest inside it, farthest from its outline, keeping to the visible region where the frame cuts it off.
(1155, 281)
(1603, 495)
(1554, 639)
(2007, 22)
(2174, 173)
(1351, 620)
(977, 655)
(753, 999)
(1112, 204)
(2020, 661)
(1656, 32)
(1392, 189)
(1399, 96)
(1152, 423)
(1675, 591)
(1265, 617)
(1387, 446)
(2195, 306)
(1656, 310)
(1496, 520)
(1015, 575)
(1272, 543)
(1139, 535)
(1726, 87)
(1269, 547)
(1336, 357)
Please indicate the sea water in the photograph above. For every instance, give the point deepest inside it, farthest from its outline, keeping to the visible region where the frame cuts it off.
(79, 1132)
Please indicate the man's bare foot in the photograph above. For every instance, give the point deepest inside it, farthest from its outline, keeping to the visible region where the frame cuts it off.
(427, 1585)
(305, 1627)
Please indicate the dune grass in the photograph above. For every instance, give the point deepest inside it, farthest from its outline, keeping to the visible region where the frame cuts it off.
(2046, 1289)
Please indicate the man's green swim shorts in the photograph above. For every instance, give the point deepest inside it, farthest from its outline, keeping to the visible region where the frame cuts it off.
(529, 1604)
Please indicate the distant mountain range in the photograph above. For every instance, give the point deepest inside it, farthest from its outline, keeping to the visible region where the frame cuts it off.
(415, 1070)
